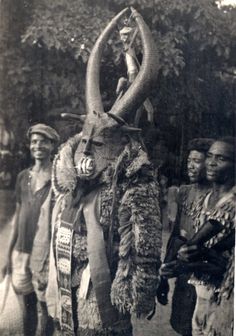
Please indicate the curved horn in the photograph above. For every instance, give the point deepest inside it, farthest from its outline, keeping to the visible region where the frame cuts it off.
(138, 91)
(93, 95)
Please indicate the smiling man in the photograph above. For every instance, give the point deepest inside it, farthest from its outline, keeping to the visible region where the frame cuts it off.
(184, 296)
(32, 189)
(198, 187)
(196, 164)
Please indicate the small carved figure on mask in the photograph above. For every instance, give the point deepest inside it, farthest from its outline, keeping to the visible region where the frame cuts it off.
(128, 36)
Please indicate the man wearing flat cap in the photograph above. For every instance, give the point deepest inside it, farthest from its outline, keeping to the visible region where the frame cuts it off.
(29, 247)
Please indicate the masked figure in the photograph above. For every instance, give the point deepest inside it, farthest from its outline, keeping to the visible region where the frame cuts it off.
(107, 232)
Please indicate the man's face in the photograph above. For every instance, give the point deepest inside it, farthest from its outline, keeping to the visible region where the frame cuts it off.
(41, 147)
(196, 166)
(220, 162)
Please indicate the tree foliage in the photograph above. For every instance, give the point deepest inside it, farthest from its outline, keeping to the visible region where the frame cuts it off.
(45, 52)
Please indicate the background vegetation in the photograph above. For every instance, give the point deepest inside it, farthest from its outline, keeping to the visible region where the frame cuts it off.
(45, 45)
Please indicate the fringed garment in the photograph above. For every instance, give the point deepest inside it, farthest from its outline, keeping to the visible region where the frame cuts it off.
(224, 213)
(222, 286)
(124, 205)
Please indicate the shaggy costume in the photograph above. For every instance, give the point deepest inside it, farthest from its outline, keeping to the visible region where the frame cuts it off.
(123, 202)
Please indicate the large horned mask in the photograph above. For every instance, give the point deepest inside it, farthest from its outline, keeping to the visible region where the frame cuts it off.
(104, 133)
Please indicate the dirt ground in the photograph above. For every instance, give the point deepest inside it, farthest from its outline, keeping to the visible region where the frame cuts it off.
(158, 326)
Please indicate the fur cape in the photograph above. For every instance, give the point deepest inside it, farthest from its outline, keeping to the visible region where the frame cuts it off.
(129, 202)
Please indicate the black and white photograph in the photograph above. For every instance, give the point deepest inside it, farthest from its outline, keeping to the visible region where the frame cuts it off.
(117, 167)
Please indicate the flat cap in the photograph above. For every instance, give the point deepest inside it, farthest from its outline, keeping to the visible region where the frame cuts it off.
(45, 130)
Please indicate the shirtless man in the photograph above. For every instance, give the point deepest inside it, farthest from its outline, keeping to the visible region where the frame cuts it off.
(32, 188)
(184, 296)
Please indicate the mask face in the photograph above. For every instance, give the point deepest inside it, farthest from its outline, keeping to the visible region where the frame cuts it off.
(99, 146)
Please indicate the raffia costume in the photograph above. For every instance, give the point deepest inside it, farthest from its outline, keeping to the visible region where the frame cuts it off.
(107, 230)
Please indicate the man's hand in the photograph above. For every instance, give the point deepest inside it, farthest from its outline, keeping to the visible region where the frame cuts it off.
(170, 270)
(189, 253)
(162, 291)
(174, 269)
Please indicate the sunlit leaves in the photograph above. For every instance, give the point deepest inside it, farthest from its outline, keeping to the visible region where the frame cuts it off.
(69, 26)
(49, 44)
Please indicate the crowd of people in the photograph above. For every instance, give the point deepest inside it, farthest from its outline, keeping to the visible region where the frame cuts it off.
(199, 254)
(200, 251)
